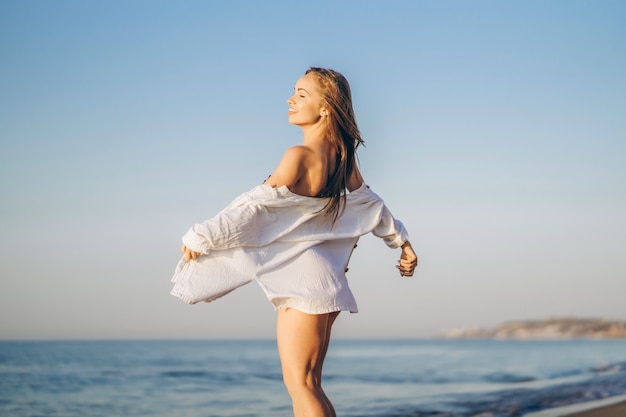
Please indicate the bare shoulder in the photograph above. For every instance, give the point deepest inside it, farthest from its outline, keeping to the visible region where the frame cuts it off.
(290, 169)
(298, 156)
(298, 152)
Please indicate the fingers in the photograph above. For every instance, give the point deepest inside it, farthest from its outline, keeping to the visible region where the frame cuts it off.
(189, 254)
(408, 263)
(405, 272)
(406, 267)
(408, 260)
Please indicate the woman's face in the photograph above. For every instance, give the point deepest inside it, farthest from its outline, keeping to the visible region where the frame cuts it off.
(305, 105)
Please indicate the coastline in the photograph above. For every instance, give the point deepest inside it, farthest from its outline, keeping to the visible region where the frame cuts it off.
(607, 407)
(556, 328)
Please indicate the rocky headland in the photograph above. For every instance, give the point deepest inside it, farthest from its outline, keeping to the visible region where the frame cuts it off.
(550, 329)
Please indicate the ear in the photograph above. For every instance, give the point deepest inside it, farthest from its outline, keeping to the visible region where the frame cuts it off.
(324, 112)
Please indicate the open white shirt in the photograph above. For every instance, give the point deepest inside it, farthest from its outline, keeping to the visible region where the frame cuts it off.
(283, 241)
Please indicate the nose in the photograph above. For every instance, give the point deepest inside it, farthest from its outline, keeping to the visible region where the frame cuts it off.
(290, 100)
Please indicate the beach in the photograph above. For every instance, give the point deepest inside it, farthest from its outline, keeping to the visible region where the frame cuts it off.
(616, 410)
(608, 407)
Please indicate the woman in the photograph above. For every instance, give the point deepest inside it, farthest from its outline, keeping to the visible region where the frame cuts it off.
(295, 234)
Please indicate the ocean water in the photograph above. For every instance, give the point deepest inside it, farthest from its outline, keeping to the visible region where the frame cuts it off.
(379, 378)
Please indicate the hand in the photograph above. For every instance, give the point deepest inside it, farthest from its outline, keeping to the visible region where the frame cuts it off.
(408, 260)
(189, 254)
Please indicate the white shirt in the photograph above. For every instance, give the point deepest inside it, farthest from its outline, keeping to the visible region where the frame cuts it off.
(283, 241)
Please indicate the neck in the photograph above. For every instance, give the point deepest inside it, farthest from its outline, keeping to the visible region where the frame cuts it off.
(313, 134)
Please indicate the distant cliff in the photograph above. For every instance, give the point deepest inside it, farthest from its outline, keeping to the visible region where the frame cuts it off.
(556, 328)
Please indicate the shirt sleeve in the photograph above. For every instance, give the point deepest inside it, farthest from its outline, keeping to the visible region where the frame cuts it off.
(390, 230)
(246, 225)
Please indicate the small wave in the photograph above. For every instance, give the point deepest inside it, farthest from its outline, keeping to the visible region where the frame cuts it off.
(598, 369)
(387, 379)
(515, 401)
(186, 374)
(208, 376)
(566, 374)
(508, 378)
(611, 367)
(274, 376)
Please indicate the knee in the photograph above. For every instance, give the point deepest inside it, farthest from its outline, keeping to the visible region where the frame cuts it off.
(298, 382)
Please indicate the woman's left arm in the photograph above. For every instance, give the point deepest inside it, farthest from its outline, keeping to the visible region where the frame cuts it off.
(394, 234)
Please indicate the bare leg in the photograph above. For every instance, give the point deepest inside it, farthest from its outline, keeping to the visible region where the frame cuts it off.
(302, 344)
(331, 319)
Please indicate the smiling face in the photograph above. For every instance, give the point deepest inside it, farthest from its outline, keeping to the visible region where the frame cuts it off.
(305, 105)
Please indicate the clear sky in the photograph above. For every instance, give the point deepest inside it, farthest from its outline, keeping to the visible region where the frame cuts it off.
(495, 130)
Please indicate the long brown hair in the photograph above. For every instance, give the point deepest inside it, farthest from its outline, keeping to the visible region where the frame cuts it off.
(343, 133)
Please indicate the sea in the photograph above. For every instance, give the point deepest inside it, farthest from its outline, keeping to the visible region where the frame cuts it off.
(241, 378)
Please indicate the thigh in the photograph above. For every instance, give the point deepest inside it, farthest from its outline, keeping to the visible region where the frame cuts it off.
(329, 325)
(302, 342)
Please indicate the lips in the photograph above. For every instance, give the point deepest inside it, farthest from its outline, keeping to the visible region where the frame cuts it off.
(292, 111)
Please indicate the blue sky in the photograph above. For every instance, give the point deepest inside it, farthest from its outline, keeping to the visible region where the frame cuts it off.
(494, 130)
